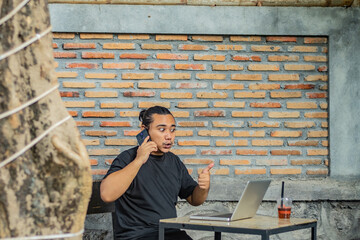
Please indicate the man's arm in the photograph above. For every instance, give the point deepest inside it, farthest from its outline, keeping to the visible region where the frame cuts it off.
(201, 191)
(115, 185)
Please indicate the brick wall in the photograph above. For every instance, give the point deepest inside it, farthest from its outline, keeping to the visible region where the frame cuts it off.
(253, 105)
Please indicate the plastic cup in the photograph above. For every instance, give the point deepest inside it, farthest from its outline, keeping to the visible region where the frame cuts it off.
(284, 206)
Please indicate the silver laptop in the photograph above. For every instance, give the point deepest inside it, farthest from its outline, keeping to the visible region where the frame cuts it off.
(247, 206)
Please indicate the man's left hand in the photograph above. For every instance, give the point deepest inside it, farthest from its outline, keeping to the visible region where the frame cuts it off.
(204, 177)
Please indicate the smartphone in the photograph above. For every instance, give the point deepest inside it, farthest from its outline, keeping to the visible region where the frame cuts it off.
(141, 136)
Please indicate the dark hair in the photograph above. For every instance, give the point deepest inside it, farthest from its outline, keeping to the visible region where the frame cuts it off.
(145, 115)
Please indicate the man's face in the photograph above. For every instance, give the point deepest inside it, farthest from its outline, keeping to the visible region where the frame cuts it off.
(162, 132)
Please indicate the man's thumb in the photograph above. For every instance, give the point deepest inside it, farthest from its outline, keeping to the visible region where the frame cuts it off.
(207, 169)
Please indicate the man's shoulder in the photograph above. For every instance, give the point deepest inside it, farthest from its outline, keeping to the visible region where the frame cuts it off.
(128, 153)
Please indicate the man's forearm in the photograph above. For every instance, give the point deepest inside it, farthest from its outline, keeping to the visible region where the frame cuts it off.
(116, 184)
(198, 196)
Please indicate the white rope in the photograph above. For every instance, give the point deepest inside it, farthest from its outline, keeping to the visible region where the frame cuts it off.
(55, 236)
(13, 12)
(28, 103)
(32, 143)
(25, 44)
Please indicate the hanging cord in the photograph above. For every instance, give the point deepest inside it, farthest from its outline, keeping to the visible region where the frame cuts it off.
(10, 112)
(14, 11)
(55, 236)
(25, 44)
(33, 142)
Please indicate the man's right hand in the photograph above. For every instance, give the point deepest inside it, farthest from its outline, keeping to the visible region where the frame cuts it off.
(145, 149)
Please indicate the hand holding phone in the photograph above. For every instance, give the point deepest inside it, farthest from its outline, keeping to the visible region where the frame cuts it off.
(141, 136)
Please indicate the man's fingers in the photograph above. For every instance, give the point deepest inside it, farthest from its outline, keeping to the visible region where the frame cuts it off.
(207, 169)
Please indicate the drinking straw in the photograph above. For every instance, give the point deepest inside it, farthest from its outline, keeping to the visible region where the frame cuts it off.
(282, 194)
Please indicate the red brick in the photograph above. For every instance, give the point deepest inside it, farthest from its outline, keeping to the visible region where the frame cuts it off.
(303, 143)
(271, 162)
(285, 171)
(251, 171)
(98, 114)
(299, 86)
(54, 46)
(263, 67)
(141, 76)
(69, 94)
(194, 142)
(100, 133)
(73, 113)
(227, 143)
(119, 46)
(245, 38)
(317, 172)
(120, 142)
(281, 39)
(197, 161)
(100, 152)
(316, 115)
(264, 124)
(183, 95)
(172, 56)
(192, 124)
(283, 58)
(98, 55)
(257, 142)
(79, 46)
(216, 152)
(285, 152)
(229, 47)
(250, 114)
(264, 86)
(249, 133)
(246, 77)
(311, 40)
(318, 152)
(82, 65)
(193, 47)
(322, 69)
(100, 94)
(139, 94)
(202, 57)
(286, 134)
(234, 162)
(64, 35)
(211, 95)
(171, 37)
(116, 105)
(210, 113)
(121, 65)
(251, 152)
(193, 104)
(115, 124)
(227, 67)
(316, 95)
(265, 105)
(265, 48)
(134, 56)
(149, 46)
(175, 76)
(185, 66)
(246, 58)
(65, 55)
(191, 85)
(207, 38)
(154, 66)
(306, 162)
(84, 123)
(285, 94)
(96, 36)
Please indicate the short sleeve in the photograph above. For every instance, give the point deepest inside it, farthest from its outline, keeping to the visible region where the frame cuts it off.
(121, 161)
(188, 184)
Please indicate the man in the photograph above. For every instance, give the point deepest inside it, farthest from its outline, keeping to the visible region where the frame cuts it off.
(146, 181)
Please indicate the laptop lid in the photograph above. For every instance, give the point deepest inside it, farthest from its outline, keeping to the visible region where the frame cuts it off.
(250, 199)
(247, 205)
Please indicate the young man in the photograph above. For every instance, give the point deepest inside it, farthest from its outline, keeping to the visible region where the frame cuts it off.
(146, 181)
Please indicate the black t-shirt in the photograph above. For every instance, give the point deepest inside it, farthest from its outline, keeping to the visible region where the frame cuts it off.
(152, 195)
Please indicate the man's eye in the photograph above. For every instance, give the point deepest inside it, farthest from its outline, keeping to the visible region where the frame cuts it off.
(162, 129)
(173, 130)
